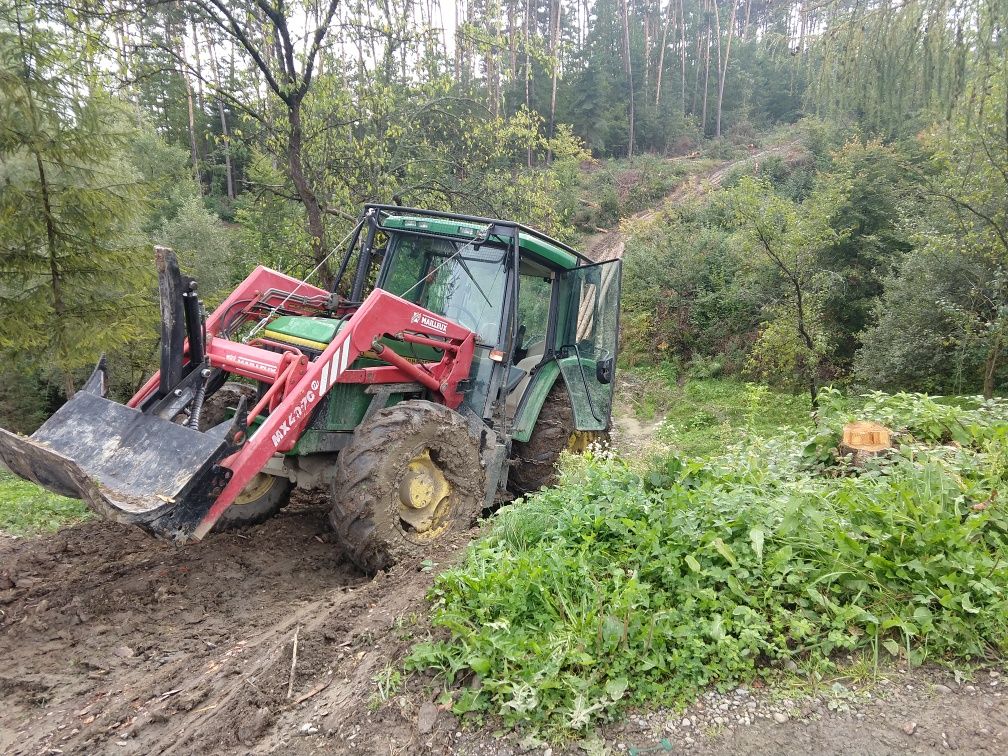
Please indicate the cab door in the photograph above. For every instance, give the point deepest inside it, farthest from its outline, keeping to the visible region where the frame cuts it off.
(586, 339)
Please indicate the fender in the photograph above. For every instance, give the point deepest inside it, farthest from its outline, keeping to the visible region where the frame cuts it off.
(535, 396)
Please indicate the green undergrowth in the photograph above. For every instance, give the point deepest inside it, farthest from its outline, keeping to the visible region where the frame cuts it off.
(26, 509)
(621, 588)
(614, 189)
(704, 416)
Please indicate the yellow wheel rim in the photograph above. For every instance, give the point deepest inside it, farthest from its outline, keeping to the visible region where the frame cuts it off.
(258, 487)
(424, 498)
(579, 441)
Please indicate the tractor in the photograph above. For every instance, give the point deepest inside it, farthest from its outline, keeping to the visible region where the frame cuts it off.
(463, 355)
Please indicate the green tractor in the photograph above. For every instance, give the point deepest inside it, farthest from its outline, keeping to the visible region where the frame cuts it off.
(469, 354)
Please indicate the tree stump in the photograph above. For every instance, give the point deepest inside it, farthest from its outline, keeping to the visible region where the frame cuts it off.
(864, 440)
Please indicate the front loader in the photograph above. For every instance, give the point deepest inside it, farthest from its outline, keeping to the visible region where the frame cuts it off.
(481, 351)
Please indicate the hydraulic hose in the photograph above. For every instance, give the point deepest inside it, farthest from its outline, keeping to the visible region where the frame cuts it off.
(197, 406)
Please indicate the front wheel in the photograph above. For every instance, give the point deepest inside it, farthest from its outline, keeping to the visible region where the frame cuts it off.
(263, 497)
(410, 476)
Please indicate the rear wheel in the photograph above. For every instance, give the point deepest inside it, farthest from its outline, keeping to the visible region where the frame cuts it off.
(409, 478)
(265, 495)
(534, 462)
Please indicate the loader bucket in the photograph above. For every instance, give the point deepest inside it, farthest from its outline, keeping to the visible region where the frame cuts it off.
(128, 466)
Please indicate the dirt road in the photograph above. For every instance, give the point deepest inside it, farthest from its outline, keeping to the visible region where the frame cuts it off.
(111, 642)
(608, 245)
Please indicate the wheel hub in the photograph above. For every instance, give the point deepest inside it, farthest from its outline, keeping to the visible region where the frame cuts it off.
(424, 495)
(255, 489)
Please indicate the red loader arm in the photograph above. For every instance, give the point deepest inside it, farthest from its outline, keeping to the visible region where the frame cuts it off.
(303, 384)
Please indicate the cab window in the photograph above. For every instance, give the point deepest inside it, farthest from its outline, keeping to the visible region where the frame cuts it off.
(451, 278)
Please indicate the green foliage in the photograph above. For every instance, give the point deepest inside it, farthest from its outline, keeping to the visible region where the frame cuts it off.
(786, 239)
(919, 418)
(898, 67)
(881, 191)
(70, 244)
(26, 509)
(271, 225)
(618, 588)
(705, 416)
(614, 189)
(926, 333)
(206, 248)
(682, 292)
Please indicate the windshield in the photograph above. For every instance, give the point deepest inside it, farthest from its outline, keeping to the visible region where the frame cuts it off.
(450, 278)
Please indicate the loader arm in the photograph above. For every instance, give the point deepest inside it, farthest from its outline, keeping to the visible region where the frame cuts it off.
(138, 464)
(381, 314)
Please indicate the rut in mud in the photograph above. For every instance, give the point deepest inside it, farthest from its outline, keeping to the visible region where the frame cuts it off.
(110, 640)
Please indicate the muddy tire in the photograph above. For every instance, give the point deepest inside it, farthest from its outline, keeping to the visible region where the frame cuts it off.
(410, 477)
(265, 495)
(534, 462)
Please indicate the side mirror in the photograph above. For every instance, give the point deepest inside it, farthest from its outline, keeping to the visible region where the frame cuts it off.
(604, 370)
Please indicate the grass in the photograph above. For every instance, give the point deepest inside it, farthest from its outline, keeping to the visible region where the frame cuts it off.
(705, 416)
(27, 509)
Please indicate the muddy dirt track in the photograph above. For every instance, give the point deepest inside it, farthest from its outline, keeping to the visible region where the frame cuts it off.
(112, 642)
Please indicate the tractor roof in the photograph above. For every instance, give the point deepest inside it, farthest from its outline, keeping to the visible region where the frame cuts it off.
(554, 253)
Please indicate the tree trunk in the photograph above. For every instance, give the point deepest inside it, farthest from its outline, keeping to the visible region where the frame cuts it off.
(199, 66)
(629, 74)
(194, 152)
(706, 78)
(555, 45)
(803, 333)
(55, 284)
(313, 209)
(682, 58)
(990, 367)
(661, 52)
(723, 67)
(225, 134)
(528, 69)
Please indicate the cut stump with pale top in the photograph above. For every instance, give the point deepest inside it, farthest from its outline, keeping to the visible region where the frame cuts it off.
(863, 440)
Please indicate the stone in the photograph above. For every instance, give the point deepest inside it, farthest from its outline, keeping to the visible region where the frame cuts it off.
(942, 688)
(909, 728)
(426, 717)
(780, 717)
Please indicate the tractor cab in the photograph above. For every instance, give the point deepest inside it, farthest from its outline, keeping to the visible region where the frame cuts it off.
(538, 308)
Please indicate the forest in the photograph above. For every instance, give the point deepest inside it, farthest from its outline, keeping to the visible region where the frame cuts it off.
(872, 252)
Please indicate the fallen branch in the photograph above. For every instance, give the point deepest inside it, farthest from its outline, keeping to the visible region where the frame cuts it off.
(314, 691)
(290, 681)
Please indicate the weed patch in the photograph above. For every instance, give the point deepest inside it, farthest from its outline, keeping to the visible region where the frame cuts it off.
(619, 588)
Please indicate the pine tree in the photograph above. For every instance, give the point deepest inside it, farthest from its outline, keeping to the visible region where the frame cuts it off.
(73, 271)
